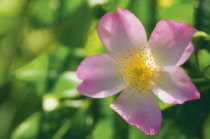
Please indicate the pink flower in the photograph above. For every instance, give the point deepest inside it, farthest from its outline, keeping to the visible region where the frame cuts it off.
(139, 68)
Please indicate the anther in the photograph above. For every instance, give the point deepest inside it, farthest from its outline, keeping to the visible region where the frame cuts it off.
(137, 69)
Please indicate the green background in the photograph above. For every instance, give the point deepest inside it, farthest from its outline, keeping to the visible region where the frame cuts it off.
(43, 41)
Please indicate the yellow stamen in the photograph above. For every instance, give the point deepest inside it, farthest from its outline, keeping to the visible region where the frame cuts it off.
(138, 68)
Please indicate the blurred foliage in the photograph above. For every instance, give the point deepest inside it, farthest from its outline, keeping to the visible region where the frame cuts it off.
(43, 41)
(200, 40)
(202, 15)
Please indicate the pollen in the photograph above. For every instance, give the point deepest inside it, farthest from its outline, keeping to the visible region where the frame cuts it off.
(136, 66)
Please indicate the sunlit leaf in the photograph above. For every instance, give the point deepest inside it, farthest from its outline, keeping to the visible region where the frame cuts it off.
(181, 11)
(35, 71)
(111, 5)
(166, 3)
(97, 2)
(103, 129)
(11, 7)
(204, 58)
(46, 16)
(93, 45)
(66, 85)
(162, 105)
(27, 129)
(37, 41)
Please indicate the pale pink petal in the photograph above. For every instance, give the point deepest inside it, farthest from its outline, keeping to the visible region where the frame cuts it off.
(100, 88)
(171, 42)
(140, 109)
(121, 30)
(99, 76)
(175, 86)
(97, 67)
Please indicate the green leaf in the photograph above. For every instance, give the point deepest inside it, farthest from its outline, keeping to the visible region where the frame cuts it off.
(201, 15)
(103, 129)
(34, 71)
(111, 5)
(28, 128)
(43, 12)
(204, 58)
(206, 128)
(11, 7)
(94, 45)
(52, 11)
(163, 105)
(102, 116)
(21, 103)
(169, 130)
(66, 85)
(74, 30)
(78, 128)
(181, 11)
(200, 40)
(140, 8)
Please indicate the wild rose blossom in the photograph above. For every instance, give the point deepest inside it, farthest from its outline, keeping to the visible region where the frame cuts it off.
(139, 68)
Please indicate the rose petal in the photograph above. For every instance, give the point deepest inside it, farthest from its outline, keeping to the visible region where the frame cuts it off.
(175, 86)
(99, 76)
(97, 67)
(100, 88)
(121, 30)
(171, 42)
(140, 109)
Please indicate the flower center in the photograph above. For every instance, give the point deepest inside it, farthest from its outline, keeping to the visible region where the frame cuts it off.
(137, 68)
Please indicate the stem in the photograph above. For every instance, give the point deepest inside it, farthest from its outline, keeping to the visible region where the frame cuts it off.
(197, 80)
(198, 67)
(198, 14)
(197, 60)
(153, 15)
(95, 112)
(204, 73)
(121, 130)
